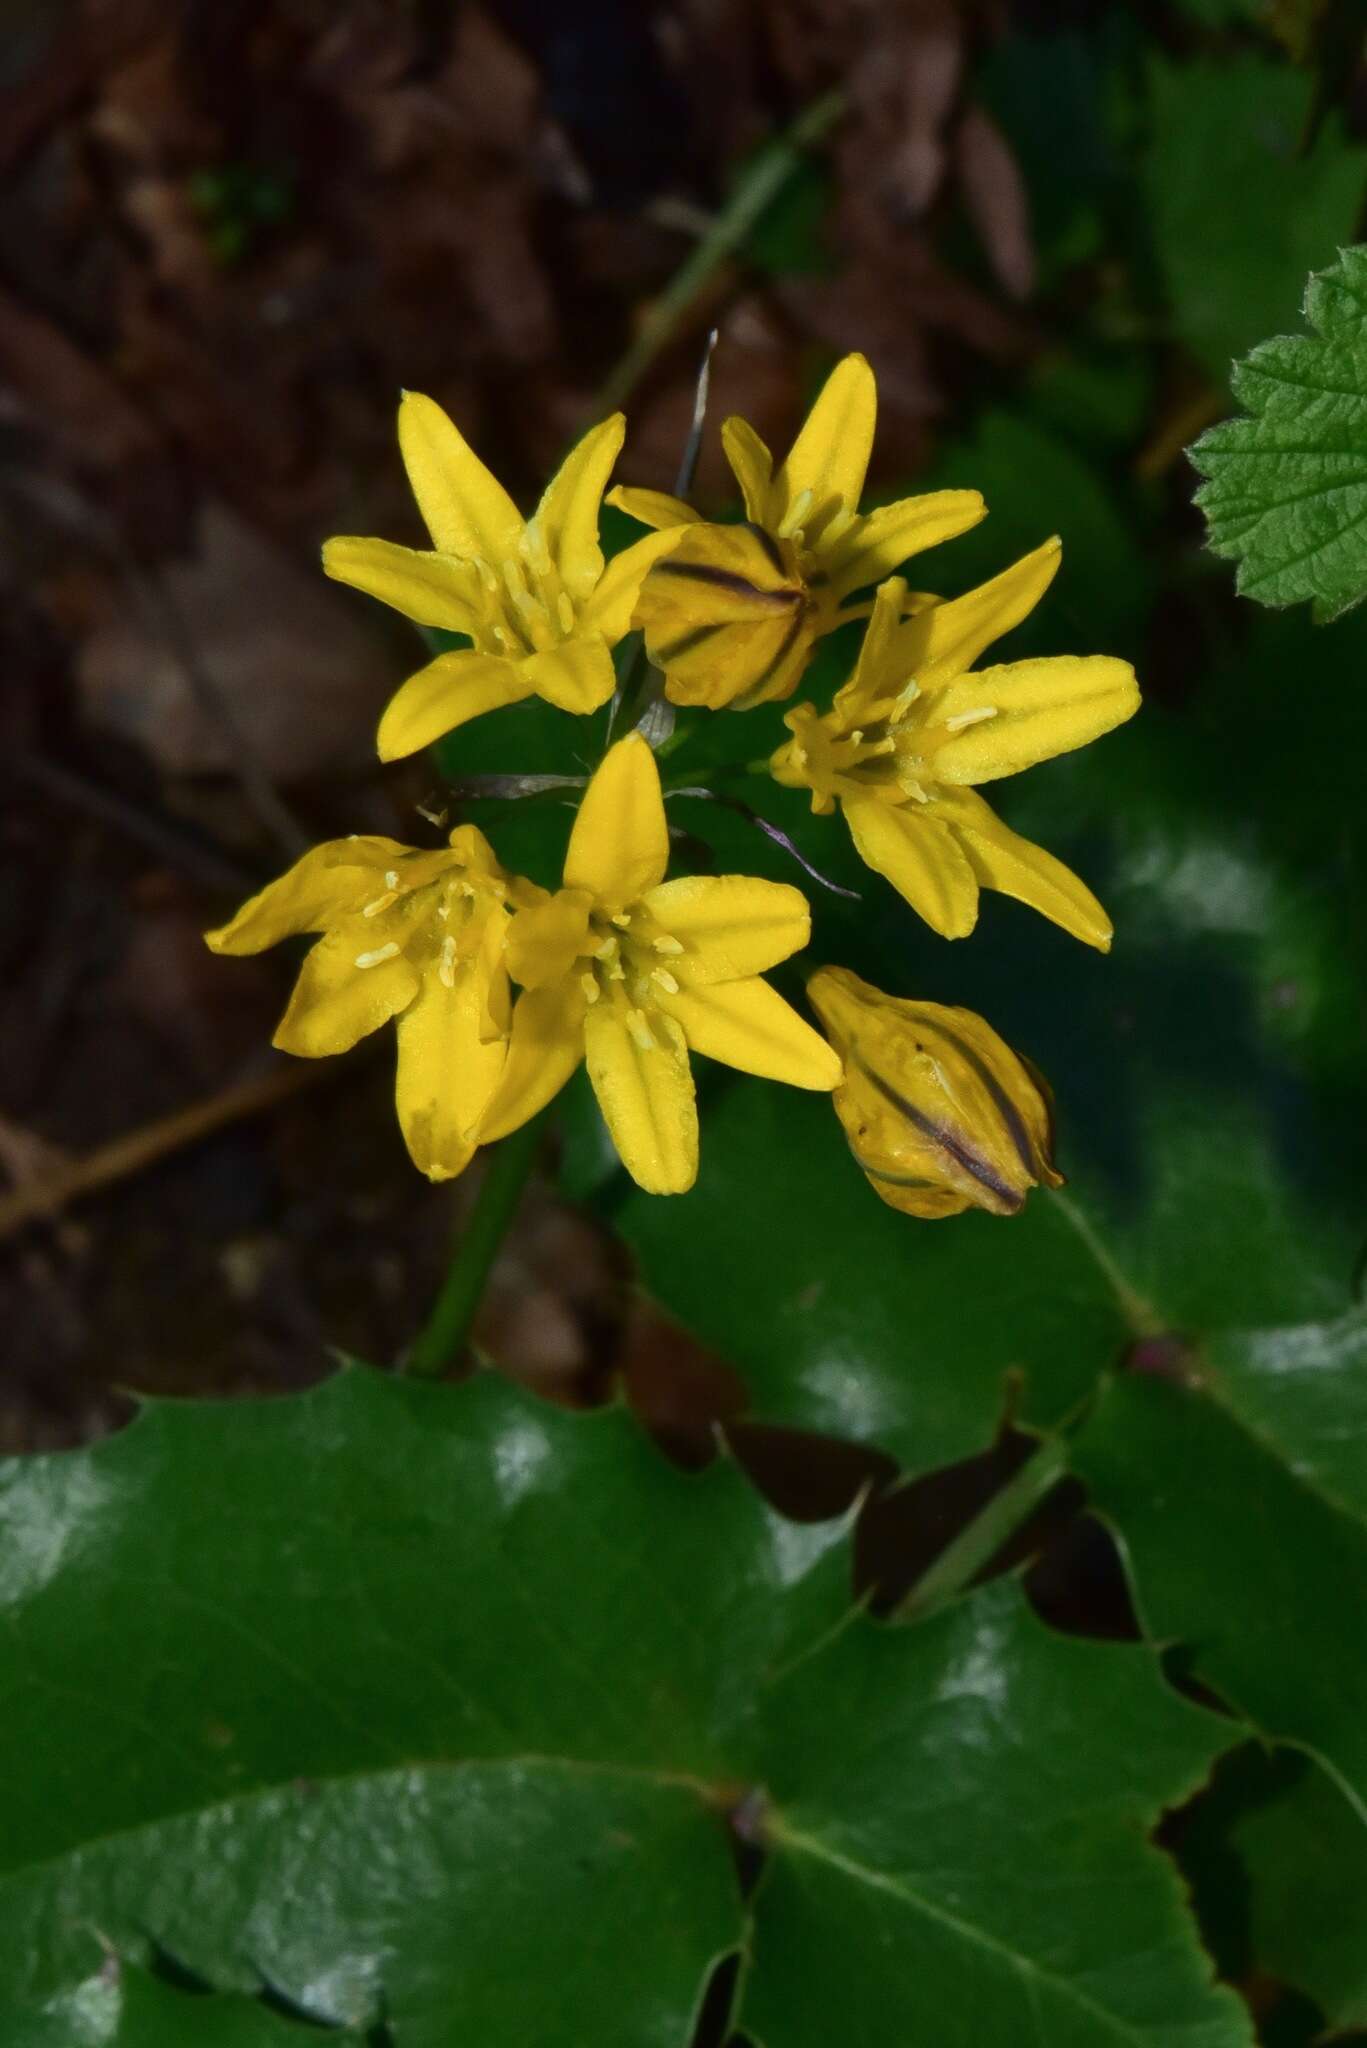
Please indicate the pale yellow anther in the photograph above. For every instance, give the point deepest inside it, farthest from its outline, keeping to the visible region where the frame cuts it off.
(640, 1031)
(908, 694)
(666, 944)
(486, 573)
(391, 878)
(662, 978)
(622, 918)
(381, 953)
(447, 970)
(963, 718)
(380, 903)
(590, 987)
(606, 949)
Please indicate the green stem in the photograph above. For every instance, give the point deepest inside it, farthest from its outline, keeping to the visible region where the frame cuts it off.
(1008, 1510)
(443, 1337)
(759, 186)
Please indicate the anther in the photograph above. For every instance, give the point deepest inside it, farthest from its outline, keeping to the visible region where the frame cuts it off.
(796, 513)
(662, 978)
(381, 902)
(373, 959)
(621, 918)
(447, 969)
(391, 879)
(640, 1031)
(665, 944)
(590, 987)
(963, 718)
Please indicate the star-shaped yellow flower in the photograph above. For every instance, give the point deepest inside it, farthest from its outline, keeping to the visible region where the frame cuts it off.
(534, 595)
(417, 936)
(731, 613)
(939, 1112)
(631, 972)
(916, 726)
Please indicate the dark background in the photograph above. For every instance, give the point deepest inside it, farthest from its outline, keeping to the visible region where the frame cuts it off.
(230, 233)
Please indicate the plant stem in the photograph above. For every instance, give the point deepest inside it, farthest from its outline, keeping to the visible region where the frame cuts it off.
(960, 1561)
(759, 186)
(443, 1336)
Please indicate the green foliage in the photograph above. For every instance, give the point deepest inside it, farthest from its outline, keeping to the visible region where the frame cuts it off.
(122, 2006)
(1245, 198)
(1286, 489)
(485, 1681)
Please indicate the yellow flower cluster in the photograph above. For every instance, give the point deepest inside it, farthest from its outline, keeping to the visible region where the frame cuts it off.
(621, 967)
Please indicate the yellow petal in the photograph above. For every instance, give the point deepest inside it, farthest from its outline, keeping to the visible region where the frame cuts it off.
(729, 925)
(727, 617)
(467, 510)
(450, 691)
(545, 941)
(609, 610)
(435, 590)
(336, 1002)
(578, 675)
(944, 640)
(1036, 709)
(880, 543)
(448, 1064)
(652, 508)
(747, 1024)
(619, 847)
(1002, 859)
(873, 671)
(920, 858)
(568, 513)
(751, 465)
(638, 1064)
(830, 457)
(332, 881)
(545, 1046)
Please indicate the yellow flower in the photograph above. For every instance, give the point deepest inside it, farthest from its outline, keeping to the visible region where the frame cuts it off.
(632, 972)
(939, 1112)
(534, 595)
(915, 727)
(731, 613)
(410, 935)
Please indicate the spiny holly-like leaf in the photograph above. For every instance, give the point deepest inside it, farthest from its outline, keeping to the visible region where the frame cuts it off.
(1286, 488)
(1237, 1481)
(442, 1705)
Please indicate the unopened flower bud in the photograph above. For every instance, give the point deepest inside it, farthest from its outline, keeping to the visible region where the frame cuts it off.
(939, 1112)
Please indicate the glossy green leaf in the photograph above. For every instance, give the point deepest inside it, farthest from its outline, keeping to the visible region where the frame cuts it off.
(1286, 487)
(121, 2006)
(432, 1703)
(1241, 209)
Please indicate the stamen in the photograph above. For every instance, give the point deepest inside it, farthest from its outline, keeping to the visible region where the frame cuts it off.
(373, 959)
(908, 694)
(640, 1031)
(662, 978)
(607, 949)
(564, 611)
(590, 987)
(486, 574)
(447, 969)
(391, 879)
(796, 513)
(665, 944)
(963, 718)
(622, 918)
(381, 903)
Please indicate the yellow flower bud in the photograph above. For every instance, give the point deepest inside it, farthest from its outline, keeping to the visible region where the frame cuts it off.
(939, 1112)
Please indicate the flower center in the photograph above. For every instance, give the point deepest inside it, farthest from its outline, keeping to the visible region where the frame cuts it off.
(628, 963)
(526, 608)
(436, 919)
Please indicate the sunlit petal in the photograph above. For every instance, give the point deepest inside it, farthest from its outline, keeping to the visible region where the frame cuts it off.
(567, 516)
(545, 941)
(751, 465)
(609, 610)
(448, 692)
(996, 721)
(1002, 859)
(577, 676)
(332, 881)
(545, 1046)
(921, 859)
(449, 1066)
(434, 590)
(747, 1024)
(887, 537)
(728, 925)
(619, 847)
(467, 510)
(652, 508)
(944, 640)
(638, 1064)
(345, 990)
(830, 456)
